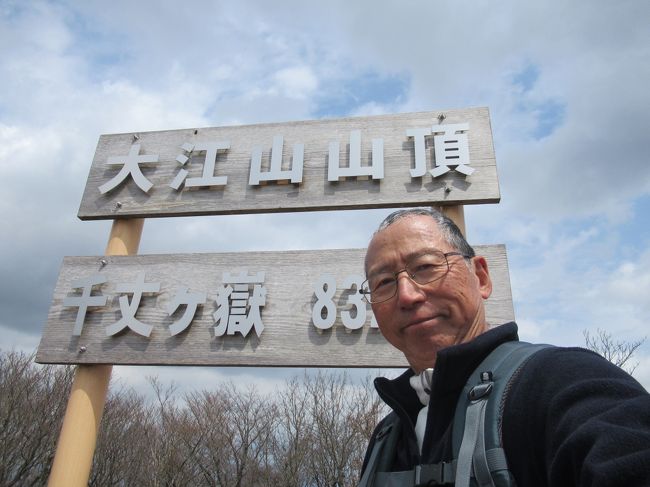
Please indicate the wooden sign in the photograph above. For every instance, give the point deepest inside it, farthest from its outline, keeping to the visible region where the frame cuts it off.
(414, 159)
(296, 308)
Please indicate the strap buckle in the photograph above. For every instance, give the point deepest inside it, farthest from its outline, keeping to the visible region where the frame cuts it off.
(480, 391)
(432, 474)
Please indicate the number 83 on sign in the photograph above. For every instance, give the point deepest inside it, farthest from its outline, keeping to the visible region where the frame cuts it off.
(324, 310)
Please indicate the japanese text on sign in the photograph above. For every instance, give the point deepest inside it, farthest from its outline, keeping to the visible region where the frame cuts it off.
(451, 149)
(239, 301)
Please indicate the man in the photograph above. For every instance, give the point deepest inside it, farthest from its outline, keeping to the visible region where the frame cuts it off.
(570, 417)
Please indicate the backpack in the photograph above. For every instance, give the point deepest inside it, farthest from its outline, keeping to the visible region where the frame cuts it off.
(479, 458)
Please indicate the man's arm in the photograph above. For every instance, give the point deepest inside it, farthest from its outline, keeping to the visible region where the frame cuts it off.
(573, 418)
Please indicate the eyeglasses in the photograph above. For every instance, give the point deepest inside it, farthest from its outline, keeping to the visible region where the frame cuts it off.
(422, 269)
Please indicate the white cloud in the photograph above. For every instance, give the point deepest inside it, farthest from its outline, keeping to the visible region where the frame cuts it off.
(296, 82)
(530, 331)
(631, 283)
(71, 71)
(17, 340)
(580, 281)
(371, 108)
(11, 141)
(187, 379)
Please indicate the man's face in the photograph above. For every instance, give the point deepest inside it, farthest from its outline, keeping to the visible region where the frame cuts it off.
(422, 319)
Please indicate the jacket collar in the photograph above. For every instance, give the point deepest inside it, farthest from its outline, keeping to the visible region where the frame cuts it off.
(453, 367)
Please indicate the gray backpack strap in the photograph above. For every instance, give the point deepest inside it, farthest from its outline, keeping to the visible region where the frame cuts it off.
(473, 438)
(382, 452)
(476, 429)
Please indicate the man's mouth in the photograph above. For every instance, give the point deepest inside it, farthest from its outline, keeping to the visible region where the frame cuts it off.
(423, 320)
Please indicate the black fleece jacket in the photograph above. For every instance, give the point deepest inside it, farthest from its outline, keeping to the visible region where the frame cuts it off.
(571, 418)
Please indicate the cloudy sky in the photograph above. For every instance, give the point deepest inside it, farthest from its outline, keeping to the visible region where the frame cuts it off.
(566, 86)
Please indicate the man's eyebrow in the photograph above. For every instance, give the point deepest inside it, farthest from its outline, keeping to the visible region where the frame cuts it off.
(379, 270)
(391, 268)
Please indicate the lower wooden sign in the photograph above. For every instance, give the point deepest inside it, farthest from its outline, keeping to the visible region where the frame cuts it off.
(286, 309)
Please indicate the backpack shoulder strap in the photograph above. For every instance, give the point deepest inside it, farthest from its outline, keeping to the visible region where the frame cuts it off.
(383, 449)
(476, 436)
(476, 432)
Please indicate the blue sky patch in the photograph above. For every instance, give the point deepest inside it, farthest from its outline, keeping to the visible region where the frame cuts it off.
(105, 52)
(13, 10)
(635, 233)
(343, 97)
(526, 78)
(550, 115)
(547, 114)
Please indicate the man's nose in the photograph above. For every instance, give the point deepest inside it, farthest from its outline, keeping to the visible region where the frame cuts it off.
(408, 291)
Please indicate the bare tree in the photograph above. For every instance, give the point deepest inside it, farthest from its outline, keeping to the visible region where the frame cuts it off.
(209, 413)
(290, 447)
(310, 433)
(343, 416)
(236, 429)
(618, 352)
(122, 455)
(32, 402)
(172, 441)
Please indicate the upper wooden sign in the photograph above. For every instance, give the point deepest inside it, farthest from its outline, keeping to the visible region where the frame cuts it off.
(414, 159)
(298, 308)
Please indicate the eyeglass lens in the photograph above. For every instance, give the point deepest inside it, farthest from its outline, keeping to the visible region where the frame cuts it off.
(423, 269)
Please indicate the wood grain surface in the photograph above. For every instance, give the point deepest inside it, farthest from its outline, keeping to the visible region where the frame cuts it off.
(289, 337)
(396, 189)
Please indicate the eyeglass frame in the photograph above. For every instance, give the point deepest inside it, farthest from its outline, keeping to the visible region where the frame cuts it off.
(365, 283)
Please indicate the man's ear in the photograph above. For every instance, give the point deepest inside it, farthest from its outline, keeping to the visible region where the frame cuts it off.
(482, 273)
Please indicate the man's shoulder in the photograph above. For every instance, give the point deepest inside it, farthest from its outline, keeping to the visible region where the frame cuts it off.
(571, 408)
(577, 363)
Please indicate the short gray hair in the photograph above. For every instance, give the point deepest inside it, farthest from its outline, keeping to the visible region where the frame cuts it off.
(450, 232)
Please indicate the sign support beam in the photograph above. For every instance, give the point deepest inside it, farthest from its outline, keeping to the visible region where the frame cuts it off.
(74, 454)
(455, 213)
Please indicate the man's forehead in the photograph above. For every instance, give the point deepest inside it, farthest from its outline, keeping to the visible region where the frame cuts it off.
(418, 226)
(402, 240)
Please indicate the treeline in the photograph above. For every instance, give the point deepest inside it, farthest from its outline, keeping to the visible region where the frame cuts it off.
(311, 432)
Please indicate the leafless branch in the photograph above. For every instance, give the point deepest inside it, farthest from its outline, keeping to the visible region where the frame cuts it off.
(618, 352)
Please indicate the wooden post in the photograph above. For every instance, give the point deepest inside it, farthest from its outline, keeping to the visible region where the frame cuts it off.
(76, 447)
(456, 214)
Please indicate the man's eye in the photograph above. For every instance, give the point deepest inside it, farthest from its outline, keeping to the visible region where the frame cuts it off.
(427, 269)
(383, 282)
(424, 267)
